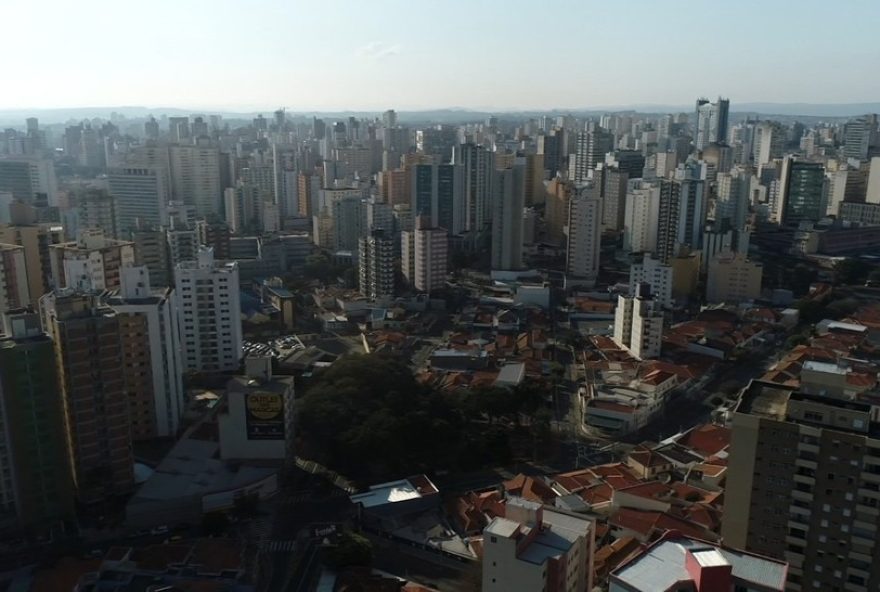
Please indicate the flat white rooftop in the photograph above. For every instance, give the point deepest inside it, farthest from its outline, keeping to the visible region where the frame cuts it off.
(387, 493)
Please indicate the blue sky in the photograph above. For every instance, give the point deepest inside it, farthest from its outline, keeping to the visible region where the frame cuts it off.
(414, 54)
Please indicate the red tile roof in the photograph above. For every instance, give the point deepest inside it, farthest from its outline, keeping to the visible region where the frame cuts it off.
(707, 439)
(530, 488)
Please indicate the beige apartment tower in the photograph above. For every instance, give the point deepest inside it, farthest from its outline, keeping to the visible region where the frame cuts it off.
(803, 485)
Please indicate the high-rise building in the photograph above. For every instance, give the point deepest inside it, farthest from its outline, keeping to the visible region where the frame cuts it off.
(591, 147)
(36, 240)
(241, 205)
(376, 265)
(195, 178)
(35, 472)
(208, 304)
(872, 194)
(30, 179)
(681, 216)
(638, 323)
(141, 195)
(87, 339)
(151, 129)
(641, 219)
(349, 220)
(96, 210)
(94, 262)
(151, 251)
(508, 202)
(732, 202)
(438, 141)
(658, 276)
(536, 548)
(691, 213)
(479, 167)
(614, 188)
(150, 337)
(393, 185)
(711, 122)
(801, 197)
(14, 289)
(308, 186)
(214, 234)
(178, 129)
(584, 234)
(550, 148)
(857, 137)
(424, 256)
(437, 193)
(559, 194)
(803, 484)
(389, 118)
(733, 279)
(91, 152)
(768, 142)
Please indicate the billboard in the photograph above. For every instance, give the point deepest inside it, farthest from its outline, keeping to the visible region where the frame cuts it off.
(264, 415)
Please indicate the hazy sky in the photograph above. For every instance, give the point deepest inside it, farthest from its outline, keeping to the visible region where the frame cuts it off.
(412, 54)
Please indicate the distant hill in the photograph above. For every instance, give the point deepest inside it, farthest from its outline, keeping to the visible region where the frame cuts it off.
(16, 117)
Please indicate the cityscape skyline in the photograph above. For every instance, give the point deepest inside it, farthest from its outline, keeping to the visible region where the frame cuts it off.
(346, 56)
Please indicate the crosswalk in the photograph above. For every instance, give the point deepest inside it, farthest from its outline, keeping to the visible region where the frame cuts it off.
(276, 546)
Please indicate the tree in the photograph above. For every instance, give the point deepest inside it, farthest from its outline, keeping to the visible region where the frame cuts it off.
(368, 418)
(851, 271)
(351, 550)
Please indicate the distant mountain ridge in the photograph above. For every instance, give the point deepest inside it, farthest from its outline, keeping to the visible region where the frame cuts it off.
(454, 114)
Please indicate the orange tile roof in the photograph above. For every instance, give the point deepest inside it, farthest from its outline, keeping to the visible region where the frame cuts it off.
(707, 439)
(649, 524)
(648, 490)
(530, 488)
(607, 558)
(646, 457)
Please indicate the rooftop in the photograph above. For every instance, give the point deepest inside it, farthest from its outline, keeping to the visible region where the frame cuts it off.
(395, 491)
(662, 566)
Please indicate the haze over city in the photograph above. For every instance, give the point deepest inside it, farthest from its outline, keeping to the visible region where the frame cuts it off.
(422, 296)
(347, 55)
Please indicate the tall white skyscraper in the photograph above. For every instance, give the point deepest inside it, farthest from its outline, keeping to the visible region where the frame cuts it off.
(141, 195)
(711, 122)
(640, 219)
(657, 275)
(857, 137)
(638, 324)
(195, 178)
(207, 295)
(768, 142)
(424, 256)
(508, 201)
(583, 234)
(732, 203)
(152, 349)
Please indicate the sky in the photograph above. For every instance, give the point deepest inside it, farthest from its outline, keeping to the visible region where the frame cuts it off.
(326, 55)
